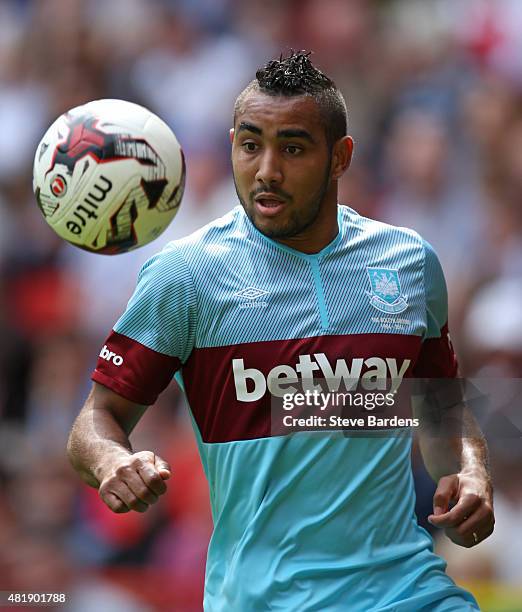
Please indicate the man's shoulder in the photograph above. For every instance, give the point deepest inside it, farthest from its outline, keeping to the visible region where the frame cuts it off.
(366, 228)
(206, 243)
(209, 238)
(202, 254)
(380, 238)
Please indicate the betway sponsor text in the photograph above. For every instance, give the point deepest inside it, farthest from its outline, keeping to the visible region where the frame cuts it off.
(372, 373)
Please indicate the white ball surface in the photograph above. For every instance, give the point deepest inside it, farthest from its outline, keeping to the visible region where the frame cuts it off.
(109, 176)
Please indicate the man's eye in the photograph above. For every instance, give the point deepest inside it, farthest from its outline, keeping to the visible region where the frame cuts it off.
(293, 149)
(249, 146)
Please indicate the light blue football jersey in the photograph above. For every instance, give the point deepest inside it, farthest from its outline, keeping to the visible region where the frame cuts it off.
(311, 521)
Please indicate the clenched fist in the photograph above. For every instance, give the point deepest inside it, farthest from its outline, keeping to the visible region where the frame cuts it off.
(133, 482)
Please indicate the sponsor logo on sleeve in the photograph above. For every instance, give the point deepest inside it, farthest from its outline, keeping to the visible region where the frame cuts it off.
(110, 356)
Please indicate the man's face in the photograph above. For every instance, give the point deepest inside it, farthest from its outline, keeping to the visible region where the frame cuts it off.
(281, 163)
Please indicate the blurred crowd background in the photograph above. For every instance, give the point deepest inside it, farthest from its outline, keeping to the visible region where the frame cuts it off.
(434, 93)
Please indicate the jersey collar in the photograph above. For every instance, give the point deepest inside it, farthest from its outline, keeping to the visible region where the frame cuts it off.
(306, 256)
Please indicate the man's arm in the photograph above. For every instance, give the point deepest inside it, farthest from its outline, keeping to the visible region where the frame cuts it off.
(452, 445)
(100, 451)
(455, 454)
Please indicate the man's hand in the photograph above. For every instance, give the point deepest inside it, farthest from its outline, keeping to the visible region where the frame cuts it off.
(133, 481)
(471, 518)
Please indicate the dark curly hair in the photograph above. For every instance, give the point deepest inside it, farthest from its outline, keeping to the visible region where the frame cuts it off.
(295, 75)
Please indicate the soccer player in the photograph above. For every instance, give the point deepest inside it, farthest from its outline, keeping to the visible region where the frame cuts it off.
(287, 288)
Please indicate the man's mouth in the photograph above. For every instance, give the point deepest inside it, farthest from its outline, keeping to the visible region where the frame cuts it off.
(269, 204)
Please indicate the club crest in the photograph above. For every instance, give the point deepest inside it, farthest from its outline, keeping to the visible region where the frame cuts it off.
(386, 294)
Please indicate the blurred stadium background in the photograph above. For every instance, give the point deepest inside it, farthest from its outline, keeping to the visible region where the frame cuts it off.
(434, 91)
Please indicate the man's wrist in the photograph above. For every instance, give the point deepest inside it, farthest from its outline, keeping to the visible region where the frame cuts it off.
(475, 471)
(481, 475)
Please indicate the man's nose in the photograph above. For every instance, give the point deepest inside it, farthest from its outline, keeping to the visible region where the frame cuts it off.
(269, 171)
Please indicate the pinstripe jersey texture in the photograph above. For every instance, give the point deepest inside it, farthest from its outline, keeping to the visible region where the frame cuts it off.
(204, 272)
(312, 520)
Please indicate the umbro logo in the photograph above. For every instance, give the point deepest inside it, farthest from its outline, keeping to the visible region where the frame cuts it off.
(251, 295)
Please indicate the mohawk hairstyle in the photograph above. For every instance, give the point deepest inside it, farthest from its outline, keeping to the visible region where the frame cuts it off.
(295, 75)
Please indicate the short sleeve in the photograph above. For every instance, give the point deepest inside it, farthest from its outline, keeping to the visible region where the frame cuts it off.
(155, 334)
(437, 358)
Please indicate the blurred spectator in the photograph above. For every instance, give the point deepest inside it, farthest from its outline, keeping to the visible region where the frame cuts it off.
(40, 560)
(495, 340)
(191, 79)
(425, 191)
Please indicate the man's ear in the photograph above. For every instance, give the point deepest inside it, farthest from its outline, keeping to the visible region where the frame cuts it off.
(231, 135)
(341, 156)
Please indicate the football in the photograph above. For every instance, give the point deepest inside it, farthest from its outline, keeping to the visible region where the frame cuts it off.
(109, 176)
